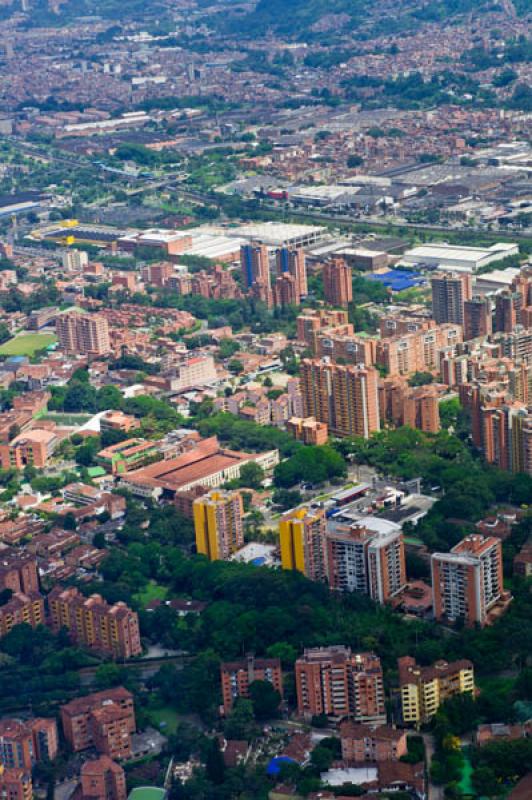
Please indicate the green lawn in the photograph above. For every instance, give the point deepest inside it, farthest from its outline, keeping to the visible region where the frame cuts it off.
(147, 793)
(27, 344)
(164, 719)
(465, 785)
(152, 592)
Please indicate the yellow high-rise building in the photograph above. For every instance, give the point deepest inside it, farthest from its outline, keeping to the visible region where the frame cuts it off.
(218, 524)
(303, 542)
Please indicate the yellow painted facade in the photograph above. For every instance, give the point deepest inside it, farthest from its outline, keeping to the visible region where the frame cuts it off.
(292, 534)
(420, 700)
(218, 524)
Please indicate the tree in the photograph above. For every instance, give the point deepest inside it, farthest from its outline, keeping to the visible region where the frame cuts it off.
(240, 724)
(286, 652)
(321, 759)
(80, 396)
(5, 596)
(165, 679)
(420, 379)
(86, 454)
(312, 464)
(265, 699)
(227, 348)
(70, 522)
(109, 397)
(235, 366)
(14, 431)
(99, 540)
(214, 763)
(251, 475)
(185, 742)
(485, 782)
(354, 161)
(287, 498)
(5, 333)
(109, 675)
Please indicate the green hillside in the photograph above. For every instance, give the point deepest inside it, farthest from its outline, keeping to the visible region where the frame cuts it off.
(297, 17)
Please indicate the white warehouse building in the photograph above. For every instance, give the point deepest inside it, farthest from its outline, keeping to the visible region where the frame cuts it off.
(458, 257)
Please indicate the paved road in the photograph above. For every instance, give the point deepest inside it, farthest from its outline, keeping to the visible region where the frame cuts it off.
(434, 792)
(383, 224)
(65, 790)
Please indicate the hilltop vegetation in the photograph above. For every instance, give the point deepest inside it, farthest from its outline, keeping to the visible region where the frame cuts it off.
(304, 16)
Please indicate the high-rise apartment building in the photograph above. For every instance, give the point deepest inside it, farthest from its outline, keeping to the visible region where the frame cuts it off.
(307, 430)
(468, 581)
(415, 406)
(15, 784)
(103, 779)
(477, 317)
(45, 738)
(362, 560)
(344, 397)
(507, 311)
(421, 409)
(371, 743)
(75, 260)
(311, 321)
(285, 291)
(23, 744)
(91, 621)
(397, 323)
(237, 677)
(423, 689)
(16, 745)
(303, 542)
(513, 305)
(336, 682)
(337, 282)
(21, 609)
(343, 345)
(158, 273)
(18, 571)
(416, 352)
(450, 290)
(83, 334)
(291, 261)
(33, 448)
(218, 524)
(110, 732)
(255, 266)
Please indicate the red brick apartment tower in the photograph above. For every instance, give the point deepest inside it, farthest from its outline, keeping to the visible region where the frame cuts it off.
(237, 676)
(337, 283)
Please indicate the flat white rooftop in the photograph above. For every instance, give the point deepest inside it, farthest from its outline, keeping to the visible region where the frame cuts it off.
(358, 775)
(499, 278)
(212, 246)
(448, 251)
(274, 234)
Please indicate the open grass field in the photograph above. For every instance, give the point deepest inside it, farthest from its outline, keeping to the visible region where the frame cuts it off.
(164, 719)
(27, 344)
(152, 592)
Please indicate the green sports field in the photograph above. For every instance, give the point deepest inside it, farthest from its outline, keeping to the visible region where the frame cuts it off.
(27, 344)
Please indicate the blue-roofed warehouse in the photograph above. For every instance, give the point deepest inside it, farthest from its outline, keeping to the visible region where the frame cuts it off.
(398, 279)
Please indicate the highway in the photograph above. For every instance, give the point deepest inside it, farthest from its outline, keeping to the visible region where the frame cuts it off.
(378, 224)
